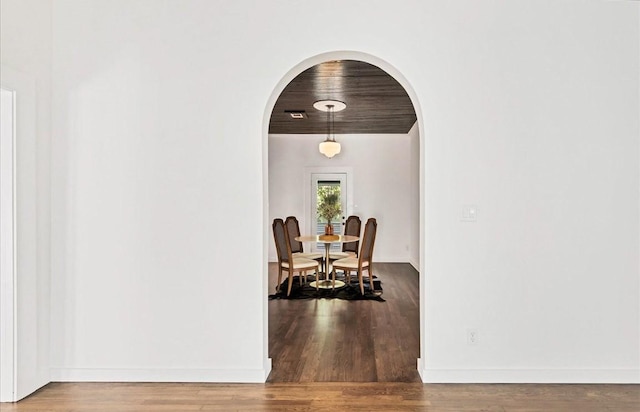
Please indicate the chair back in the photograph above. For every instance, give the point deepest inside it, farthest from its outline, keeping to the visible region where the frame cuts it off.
(293, 230)
(281, 238)
(352, 228)
(368, 240)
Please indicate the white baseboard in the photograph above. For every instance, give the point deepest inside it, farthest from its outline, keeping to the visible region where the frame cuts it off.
(381, 259)
(616, 376)
(267, 368)
(596, 376)
(161, 375)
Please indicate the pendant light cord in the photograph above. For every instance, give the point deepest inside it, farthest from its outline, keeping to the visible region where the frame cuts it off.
(330, 119)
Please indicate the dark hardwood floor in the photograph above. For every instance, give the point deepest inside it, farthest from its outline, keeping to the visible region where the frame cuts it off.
(331, 340)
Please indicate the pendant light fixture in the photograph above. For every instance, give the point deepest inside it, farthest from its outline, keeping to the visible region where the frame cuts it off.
(329, 147)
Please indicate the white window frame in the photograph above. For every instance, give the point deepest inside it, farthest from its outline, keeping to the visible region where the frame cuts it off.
(309, 186)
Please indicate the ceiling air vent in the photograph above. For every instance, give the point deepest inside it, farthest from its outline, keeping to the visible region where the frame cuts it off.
(296, 114)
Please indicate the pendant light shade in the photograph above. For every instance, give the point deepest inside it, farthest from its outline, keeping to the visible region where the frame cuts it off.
(329, 147)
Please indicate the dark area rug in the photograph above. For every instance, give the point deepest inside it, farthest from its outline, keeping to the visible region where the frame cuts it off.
(347, 292)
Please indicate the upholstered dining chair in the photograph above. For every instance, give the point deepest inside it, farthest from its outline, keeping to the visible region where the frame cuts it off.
(286, 261)
(349, 249)
(297, 250)
(364, 260)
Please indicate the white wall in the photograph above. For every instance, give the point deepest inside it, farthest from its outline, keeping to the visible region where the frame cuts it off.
(533, 117)
(154, 180)
(7, 244)
(528, 110)
(414, 196)
(381, 184)
(25, 57)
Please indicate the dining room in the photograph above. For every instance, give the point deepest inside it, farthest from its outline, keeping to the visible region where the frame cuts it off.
(373, 336)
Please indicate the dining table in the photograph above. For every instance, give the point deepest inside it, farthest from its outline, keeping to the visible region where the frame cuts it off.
(328, 240)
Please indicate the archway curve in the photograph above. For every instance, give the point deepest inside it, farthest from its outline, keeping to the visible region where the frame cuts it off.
(277, 91)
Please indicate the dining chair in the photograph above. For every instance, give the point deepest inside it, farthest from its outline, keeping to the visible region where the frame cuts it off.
(364, 260)
(297, 250)
(349, 249)
(286, 261)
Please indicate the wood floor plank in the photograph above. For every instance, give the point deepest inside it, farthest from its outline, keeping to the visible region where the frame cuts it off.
(322, 340)
(328, 396)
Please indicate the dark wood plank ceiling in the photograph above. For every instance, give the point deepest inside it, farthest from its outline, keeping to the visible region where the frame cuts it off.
(376, 102)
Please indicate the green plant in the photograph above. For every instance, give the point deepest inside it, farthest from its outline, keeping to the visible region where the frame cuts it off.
(329, 205)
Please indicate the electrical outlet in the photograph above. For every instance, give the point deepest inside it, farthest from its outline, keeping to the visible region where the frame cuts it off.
(472, 337)
(469, 213)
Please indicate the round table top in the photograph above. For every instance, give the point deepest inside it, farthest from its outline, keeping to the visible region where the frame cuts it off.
(328, 238)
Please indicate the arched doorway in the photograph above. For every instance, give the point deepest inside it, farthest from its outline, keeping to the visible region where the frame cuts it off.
(337, 59)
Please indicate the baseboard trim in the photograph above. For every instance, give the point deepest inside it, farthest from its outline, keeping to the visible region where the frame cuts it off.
(266, 368)
(614, 376)
(383, 259)
(390, 259)
(161, 375)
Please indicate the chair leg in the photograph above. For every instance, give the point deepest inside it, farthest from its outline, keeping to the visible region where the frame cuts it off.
(300, 275)
(290, 282)
(370, 278)
(279, 278)
(333, 279)
(317, 276)
(361, 282)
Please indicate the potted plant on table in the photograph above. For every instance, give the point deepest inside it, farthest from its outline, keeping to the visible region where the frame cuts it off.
(328, 209)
